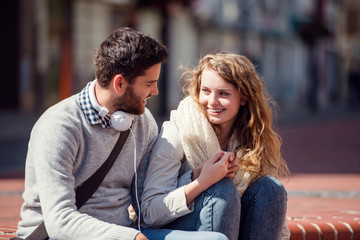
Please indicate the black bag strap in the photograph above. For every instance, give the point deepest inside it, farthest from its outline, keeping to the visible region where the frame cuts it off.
(87, 189)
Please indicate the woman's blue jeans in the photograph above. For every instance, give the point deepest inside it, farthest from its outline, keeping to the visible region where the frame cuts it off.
(264, 206)
(211, 219)
(216, 209)
(262, 214)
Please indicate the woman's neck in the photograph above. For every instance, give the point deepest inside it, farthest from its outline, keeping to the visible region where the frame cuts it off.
(223, 144)
(225, 133)
(224, 137)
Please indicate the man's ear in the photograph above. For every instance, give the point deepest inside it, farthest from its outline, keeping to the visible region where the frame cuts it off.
(119, 84)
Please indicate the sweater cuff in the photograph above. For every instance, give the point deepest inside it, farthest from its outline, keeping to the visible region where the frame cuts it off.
(179, 205)
(123, 233)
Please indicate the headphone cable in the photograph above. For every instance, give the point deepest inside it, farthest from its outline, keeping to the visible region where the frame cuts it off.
(136, 182)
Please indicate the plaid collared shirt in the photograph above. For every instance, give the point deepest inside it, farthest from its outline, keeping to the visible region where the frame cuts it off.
(91, 114)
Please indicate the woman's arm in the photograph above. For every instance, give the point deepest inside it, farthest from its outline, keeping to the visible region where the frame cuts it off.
(162, 199)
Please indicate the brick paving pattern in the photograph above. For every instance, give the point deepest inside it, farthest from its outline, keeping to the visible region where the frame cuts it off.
(324, 189)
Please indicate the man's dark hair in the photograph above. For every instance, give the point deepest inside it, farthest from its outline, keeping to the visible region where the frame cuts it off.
(127, 52)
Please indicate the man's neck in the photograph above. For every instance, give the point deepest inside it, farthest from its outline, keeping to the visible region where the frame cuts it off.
(104, 97)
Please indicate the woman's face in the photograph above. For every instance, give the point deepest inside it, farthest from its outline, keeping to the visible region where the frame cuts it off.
(220, 99)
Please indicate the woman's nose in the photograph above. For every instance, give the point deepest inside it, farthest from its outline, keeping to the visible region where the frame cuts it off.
(213, 99)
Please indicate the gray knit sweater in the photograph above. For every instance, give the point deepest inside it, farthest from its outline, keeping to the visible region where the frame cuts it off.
(64, 151)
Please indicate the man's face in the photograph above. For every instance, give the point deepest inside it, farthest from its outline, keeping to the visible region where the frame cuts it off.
(136, 95)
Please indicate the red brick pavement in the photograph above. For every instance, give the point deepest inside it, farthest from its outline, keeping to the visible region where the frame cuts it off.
(323, 155)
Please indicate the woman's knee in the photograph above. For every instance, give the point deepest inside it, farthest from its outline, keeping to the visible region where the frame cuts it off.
(268, 187)
(224, 189)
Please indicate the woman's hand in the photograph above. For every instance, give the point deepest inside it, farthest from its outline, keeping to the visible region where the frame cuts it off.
(197, 171)
(215, 168)
(233, 167)
(207, 174)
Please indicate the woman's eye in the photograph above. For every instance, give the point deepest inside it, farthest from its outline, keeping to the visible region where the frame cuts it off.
(205, 90)
(224, 93)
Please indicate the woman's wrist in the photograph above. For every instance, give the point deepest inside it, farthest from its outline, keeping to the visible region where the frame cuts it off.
(195, 174)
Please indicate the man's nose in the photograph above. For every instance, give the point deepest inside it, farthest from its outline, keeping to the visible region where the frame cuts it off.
(154, 90)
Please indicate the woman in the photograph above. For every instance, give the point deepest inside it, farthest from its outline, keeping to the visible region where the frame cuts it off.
(222, 130)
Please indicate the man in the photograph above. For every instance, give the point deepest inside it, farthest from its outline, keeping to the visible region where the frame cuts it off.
(73, 138)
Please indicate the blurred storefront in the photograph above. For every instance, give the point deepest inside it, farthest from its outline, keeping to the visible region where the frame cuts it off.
(307, 51)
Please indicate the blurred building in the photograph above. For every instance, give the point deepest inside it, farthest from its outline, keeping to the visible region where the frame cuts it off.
(308, 51)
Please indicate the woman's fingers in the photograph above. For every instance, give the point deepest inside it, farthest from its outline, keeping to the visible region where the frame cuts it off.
(233, 167)
(216, 157)
(226, 157)
(232, 171)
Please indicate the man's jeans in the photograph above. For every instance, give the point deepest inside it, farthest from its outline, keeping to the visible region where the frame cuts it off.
(218, 209)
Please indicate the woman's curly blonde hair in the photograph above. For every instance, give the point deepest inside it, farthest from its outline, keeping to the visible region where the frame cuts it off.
(259, 148)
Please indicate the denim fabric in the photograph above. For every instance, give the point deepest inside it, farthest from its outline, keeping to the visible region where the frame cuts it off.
(263, 209)
(216, 209)
(169, 234)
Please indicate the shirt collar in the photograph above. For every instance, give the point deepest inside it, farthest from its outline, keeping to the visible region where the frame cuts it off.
(91, 114)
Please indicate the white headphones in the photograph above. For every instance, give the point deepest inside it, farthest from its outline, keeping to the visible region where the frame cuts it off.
(119, 120)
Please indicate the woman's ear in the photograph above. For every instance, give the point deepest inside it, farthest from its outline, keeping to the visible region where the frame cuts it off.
(242, 103)
(119, 84)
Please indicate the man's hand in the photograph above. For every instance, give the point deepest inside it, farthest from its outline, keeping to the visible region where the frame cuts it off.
(140, 236)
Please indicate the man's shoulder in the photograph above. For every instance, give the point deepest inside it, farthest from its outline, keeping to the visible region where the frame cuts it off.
(146, 122)
(67, 105)
(147, 116)
(65, 109)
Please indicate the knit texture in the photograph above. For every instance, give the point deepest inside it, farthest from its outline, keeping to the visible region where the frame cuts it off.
(199, 140)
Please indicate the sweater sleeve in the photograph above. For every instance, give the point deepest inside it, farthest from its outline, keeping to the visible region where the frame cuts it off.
(54, 146)
(162, 199)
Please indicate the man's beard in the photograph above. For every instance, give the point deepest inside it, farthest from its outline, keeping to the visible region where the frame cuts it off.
(130, 102)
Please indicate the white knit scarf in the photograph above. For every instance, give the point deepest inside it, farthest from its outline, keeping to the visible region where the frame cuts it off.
(199, 140)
